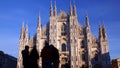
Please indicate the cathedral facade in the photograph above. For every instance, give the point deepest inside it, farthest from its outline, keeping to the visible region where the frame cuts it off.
(77, 46)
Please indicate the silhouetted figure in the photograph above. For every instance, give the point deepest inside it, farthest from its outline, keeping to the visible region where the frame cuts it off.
(25, 55)
(46, 55)
(55, 56)
(34, 56)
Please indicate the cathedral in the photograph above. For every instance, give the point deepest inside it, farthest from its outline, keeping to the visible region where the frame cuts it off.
(77, 46)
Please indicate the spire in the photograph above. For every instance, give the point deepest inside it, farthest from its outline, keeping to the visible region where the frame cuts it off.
(103, 26)
(74, 9)
(26, 29)
(87, 20)
(22, 31)
(26, 32)
(39, 21)
(51, 9)
(71, 10)
(55, 9)
(100, 32)
(26, 35)
(39, 26)
(103, 31)
(87, 23)
(38, 33)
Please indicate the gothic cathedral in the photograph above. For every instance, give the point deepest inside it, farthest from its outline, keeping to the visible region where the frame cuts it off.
(77, 46)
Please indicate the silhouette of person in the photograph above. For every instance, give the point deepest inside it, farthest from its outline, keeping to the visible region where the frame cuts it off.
(34, 56)
(25, 55)
(55, 56)
(46, 55)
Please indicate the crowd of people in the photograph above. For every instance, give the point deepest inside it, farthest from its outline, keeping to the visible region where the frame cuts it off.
(49, 55)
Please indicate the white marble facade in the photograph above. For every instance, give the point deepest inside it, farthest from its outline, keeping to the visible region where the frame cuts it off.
(77, 46)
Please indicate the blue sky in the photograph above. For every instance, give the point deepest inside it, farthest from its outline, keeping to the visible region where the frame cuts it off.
(14, 12)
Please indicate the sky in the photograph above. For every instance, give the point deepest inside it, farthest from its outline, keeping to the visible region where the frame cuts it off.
(14, 12)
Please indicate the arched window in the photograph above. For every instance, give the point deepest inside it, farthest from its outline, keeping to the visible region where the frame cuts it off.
(82, 44)
(63, 29)
(63, 47)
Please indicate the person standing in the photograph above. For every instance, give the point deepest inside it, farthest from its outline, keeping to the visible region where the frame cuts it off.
(55, 56)
(34, 56)
(25, 55)
(46, 54)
